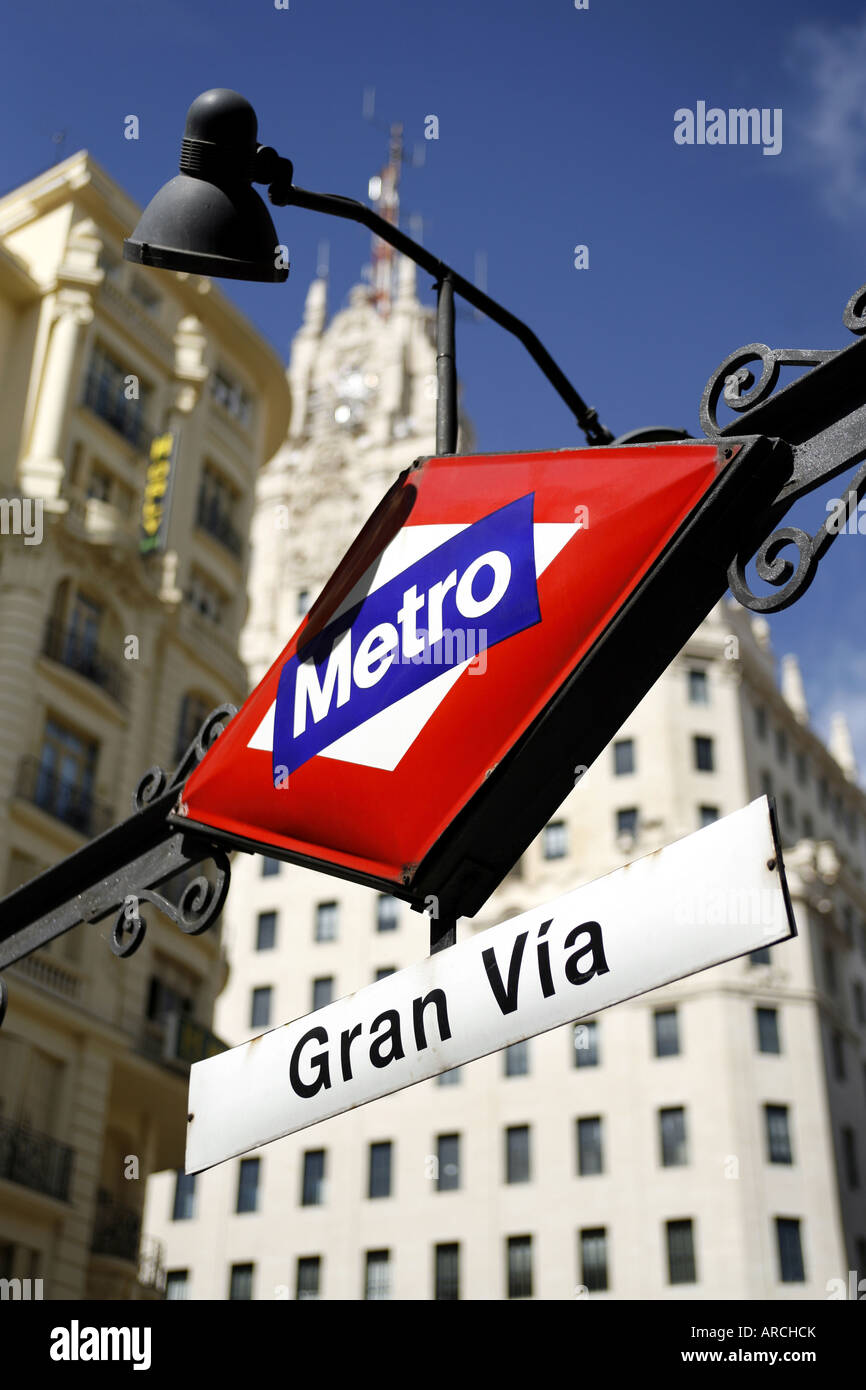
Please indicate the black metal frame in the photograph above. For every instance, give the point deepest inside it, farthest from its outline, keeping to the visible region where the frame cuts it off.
(122, 868)
(790, 443)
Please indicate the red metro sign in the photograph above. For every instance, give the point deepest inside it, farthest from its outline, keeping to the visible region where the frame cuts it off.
(491, 627)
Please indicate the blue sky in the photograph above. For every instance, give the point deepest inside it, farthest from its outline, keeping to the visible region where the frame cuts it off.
(555, 129)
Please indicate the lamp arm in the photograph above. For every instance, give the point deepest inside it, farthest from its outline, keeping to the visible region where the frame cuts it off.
(283, 193)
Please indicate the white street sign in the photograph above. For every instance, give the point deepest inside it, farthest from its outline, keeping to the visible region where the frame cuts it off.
(705, 899)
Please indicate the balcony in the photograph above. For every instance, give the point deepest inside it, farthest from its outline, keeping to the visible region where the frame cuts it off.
(178, 1041)
(35, 1161)
(64, 645)
(103, 394)
(215, 521)
(116, 1229)
(64, 800)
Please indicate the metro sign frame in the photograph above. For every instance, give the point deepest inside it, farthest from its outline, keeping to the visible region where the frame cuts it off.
(513, 799)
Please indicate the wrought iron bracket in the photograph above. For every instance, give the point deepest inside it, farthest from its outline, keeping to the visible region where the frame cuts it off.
(822, 416)
(123, 869)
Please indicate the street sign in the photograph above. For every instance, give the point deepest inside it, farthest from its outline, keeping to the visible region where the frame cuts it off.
(710, 897)
(486, 634)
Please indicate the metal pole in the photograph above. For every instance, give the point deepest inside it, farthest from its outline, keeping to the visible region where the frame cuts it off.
(443, 932)
(283, 193)
(446, 370)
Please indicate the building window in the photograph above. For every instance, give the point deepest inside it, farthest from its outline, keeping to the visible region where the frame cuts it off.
(623, 757)
(593, 1259)
(183, 1208)
(801, 769)
(519, 1254)
(206, 597)
(667, 1032)
(849, 1152)
(176, 1285)
(377, 1274)
(379, 1175)
(446, 1267)
(303, 604)
(449, 1078)
(517, 1059)
(323, 991)
(194, 710)
(788, 815)
(313, 1183)
(626, 821)
(778, 1134)
(768, 1030)
(837, 1044)
(791, 1267)
(326, 921)
(387, 913)
(829, 963)
(859, 1002)
(517, 1153)
(65, 776)
(231, 395)
(554, 843)
(260, 1009)
(308, 1276)
(672, 1133)
(781, 746)
(760, 957)
(808, 826)
(590, 1159)
(218, 502)
(707, 814)
(105, 393)
(270, 867)
(241, 1282)
(703, 753)
(760, 722)
(681, 1252)
(585, 1038)
(699, 693)
(266, 931)
(447, 1162)
(384, 971)
(248, 1185)
(147, 297)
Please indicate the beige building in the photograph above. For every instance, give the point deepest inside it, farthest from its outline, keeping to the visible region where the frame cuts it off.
(703, 1141)
(120, 611)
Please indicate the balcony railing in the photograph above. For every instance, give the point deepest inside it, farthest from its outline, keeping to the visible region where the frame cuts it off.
(179, 1041)
(104, 395)
(151, 1266)
(116, 1229)
(62, 799)
(215, 521)
(64, 645)
(35, 1161)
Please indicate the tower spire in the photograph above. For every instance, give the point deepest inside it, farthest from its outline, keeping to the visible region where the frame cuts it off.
(384, 192)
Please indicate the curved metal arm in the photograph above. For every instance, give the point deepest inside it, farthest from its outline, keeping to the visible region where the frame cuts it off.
(277, 172)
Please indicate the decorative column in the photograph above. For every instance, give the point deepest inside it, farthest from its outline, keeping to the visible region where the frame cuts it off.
(27, 577)
(41, 472)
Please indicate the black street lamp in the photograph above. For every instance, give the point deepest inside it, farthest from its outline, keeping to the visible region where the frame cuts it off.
(208, 220)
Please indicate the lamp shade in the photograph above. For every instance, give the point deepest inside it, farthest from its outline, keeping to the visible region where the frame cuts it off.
(208, 219)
